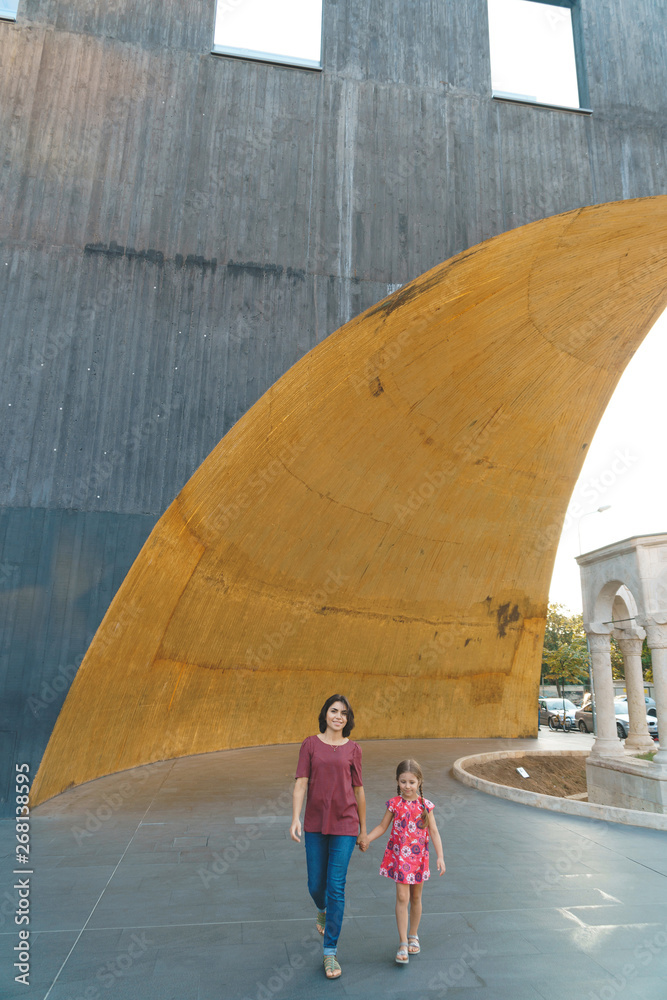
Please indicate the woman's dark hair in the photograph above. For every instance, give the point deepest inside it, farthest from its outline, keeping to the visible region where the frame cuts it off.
(349, 726)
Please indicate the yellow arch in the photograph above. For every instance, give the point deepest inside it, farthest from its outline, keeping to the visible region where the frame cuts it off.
(383, 521)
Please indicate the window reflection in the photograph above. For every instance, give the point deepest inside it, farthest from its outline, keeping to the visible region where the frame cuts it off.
(289, 31)
(532, 52)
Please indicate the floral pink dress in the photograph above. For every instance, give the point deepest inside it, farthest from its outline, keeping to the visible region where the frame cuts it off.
(406, 857)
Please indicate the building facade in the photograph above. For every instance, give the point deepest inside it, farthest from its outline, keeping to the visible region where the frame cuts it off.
(178, 228)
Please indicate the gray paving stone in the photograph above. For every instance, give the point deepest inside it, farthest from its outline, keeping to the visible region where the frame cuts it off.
(611, 988)
(48, 952)
(172, 987)
(523, 888)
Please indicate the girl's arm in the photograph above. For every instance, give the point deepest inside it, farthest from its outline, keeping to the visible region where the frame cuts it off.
(360, 796)
(437, 843)
(378, 830)
(298, 795)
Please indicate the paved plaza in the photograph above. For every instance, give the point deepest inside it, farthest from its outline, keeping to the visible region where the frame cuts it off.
(178, 881)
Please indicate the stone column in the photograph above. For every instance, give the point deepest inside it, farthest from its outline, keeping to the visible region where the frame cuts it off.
(630, 641)
(606, 743)
(656, 638)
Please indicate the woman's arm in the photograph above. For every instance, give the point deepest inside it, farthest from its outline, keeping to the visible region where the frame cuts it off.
(437, 842)
(360, 796)
(298, 795)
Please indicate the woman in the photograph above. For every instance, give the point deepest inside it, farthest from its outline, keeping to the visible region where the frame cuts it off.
(329, 769)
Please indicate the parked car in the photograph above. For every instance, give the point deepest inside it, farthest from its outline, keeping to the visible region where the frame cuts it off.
(584, 721)
(554, 707)
(650, 704)
(623, 722)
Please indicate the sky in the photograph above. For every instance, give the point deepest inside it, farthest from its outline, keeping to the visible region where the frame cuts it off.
(626, 469)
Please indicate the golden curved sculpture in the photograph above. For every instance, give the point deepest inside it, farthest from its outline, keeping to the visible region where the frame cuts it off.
(384, 520)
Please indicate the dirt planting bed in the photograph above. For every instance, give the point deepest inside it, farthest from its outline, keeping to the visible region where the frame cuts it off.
(557, 775)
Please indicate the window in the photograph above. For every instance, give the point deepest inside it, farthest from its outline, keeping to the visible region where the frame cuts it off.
(8, 10)
(533, 56)
(284, 31)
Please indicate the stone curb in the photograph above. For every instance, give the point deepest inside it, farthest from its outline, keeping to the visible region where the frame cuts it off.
(571, 807)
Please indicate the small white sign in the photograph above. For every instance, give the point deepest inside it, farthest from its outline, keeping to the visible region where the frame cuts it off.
(522, 771)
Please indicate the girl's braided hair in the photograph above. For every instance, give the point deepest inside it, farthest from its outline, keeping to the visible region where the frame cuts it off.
(412, 767)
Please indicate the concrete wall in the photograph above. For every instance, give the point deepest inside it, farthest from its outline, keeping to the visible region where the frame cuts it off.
(177, 229)
(628, 783)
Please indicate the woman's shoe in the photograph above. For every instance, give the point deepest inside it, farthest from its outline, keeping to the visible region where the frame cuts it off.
(332, 969)
(320, 921)
(402, 957)
(413, 944)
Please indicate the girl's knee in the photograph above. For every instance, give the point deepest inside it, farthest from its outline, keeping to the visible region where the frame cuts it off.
(402, 892)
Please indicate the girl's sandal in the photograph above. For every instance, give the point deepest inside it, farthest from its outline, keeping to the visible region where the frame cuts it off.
(320, 922)
(413, 944)
(402, 957)
(332, 969)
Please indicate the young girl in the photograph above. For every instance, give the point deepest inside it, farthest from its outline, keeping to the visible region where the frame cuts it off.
(406, 857)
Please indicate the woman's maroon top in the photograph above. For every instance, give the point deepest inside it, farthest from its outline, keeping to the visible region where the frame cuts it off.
(332, 774)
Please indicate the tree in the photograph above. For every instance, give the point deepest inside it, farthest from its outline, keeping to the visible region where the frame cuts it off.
(617, 661)
(647, 663)
(565, 652)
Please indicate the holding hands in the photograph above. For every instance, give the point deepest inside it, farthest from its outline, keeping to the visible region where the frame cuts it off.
(363, 842)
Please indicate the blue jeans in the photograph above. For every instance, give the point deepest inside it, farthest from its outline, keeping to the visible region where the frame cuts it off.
(327, 858)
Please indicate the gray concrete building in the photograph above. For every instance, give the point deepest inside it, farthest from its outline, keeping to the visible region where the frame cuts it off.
(178, 226)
